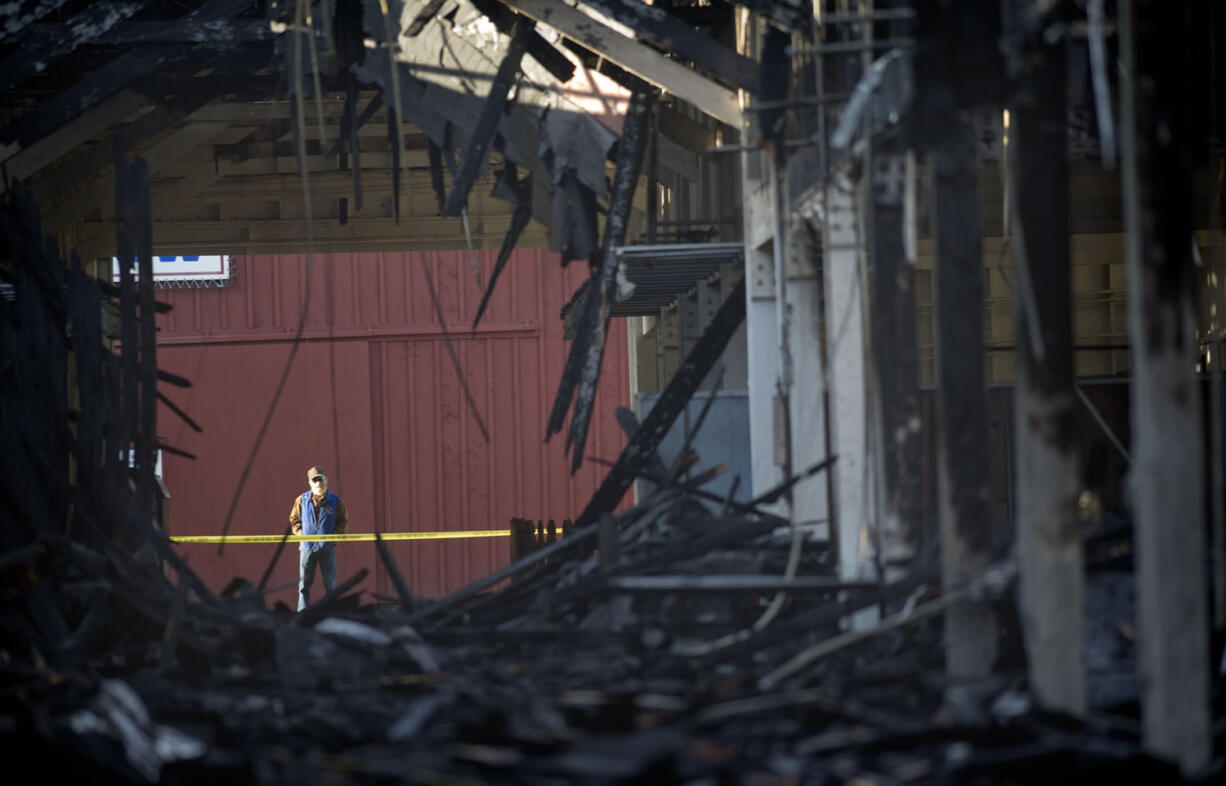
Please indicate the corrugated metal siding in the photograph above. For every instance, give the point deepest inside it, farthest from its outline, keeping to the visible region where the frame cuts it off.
(403, 449)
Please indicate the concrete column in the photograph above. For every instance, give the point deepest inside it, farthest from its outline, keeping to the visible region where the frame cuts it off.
(1167, 475)
(845, 344)
(807, 398)
(761, 325)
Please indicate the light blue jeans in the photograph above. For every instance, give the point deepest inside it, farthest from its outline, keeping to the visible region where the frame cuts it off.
(325, 558)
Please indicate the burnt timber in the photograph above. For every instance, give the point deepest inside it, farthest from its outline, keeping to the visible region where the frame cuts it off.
(948, 279)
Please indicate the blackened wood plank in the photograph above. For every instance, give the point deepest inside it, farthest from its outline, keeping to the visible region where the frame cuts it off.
(423, 18)
(88, 92)
(1048, 530)
(666, 31)
(698, 363)
(216, 34)
(482, 136)
(18, 15)
(40, 51)
(522, 190)
(540, 50)
(970, 629)
(894, 355)
(1168, 471)
(625, 181)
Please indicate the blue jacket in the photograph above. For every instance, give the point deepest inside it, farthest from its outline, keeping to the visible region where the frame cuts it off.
(318, 524)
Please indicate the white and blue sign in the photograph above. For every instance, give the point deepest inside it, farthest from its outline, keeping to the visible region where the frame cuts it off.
(184, 271)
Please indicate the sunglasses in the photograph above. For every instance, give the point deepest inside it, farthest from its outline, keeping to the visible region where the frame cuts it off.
(317, 479)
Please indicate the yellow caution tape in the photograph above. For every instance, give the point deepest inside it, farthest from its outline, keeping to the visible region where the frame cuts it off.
(347, 537)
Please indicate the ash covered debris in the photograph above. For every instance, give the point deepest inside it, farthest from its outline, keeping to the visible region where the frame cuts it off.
(638, 649)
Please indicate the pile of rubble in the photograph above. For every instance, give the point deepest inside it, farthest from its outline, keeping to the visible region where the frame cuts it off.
(689, 639)
(663, 644)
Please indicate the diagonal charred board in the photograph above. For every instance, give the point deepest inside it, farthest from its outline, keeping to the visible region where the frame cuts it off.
(750, 582)
(100, 159)
(18, 15)
(110, 78)
(698, 363)
(41, 50)
(376, 103)
(482, 137)
(657, 26)
(89, 91)
(317, 611)
(629, 423)
(214, 34)
(521, 191)
(537, 47)
(423, 18)
(599, 301)
(578, 538)
(393, 572)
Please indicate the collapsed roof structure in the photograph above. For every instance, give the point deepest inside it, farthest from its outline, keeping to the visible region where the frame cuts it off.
(137, 128)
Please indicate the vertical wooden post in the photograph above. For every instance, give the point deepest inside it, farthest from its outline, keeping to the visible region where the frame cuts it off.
(1048, 531)
(1168, 463)
(970, 630)
(896, 392)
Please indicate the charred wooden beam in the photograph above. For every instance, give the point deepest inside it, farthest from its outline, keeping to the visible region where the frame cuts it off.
(587, 354)
(393, 572)
(89, 92)
(216, 34)
(970, 629)
(481, 137)
(40, 50)
(436, 175)
(698, 363)
(540, 50)
(1048, 530)
(521, 192)
(116, 74)
(18, 15)
(658, 26)
(707, 583)
(894, 352)
(423, 17)
(1168, 460)
(637, 58)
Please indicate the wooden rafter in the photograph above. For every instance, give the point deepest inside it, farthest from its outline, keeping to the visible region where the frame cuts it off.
(646, 63)
(666, 31)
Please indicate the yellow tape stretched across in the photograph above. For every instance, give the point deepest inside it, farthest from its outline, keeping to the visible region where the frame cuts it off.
(346, 538)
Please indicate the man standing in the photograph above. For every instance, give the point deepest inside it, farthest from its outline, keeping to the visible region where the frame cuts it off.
(318, 511)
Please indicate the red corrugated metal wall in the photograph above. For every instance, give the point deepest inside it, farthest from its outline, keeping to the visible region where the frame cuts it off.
(380, 407)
